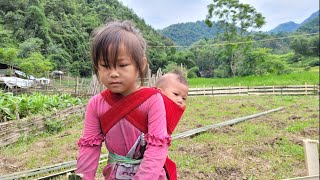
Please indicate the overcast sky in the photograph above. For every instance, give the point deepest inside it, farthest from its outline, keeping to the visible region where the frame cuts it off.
(162, 13)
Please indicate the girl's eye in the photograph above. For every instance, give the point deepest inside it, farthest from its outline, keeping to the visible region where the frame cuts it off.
(176, 94)
(104, 65)
(123, 65)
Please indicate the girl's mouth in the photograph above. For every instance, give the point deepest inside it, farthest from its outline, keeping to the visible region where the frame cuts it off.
(115, 83)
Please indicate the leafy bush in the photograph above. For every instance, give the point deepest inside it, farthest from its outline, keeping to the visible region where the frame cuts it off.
(314, 63)
(192, 73)
(295, 58)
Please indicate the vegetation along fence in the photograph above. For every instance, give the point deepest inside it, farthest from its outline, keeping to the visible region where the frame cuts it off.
(86, 90)
(256, 90)
(11, 131)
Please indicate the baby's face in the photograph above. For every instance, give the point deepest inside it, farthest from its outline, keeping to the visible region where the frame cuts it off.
(175, 91)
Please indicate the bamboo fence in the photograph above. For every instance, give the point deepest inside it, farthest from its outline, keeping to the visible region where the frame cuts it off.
(11, 131)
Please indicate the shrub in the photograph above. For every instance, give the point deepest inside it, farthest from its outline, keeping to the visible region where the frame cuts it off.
(53, 126)
(192, 72)
(314, 63)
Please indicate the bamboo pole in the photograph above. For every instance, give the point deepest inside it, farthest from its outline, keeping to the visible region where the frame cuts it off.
(37, 171)
(226, 123)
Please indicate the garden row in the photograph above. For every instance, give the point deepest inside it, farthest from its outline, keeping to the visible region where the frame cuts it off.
(15, 107)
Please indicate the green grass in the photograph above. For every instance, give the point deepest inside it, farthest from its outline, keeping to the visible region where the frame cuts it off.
(267, 147)
(299, 126)
(296, 78)
(253, 131)
(288, 148)
(262, 148)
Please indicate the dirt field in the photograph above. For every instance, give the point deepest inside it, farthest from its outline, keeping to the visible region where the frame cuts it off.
(267, 147)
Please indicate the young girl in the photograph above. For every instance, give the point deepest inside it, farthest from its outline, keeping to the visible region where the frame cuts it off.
(118, 55)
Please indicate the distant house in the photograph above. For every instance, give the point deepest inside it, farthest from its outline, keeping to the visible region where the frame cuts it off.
(12, 77)
(5, 68)
(56, 74)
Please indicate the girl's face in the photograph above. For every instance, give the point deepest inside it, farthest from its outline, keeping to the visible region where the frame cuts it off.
(121, 79)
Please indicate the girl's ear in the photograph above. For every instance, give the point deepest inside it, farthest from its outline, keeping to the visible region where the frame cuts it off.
(145, 64)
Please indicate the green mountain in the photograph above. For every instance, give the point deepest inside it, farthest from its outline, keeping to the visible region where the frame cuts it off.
(285, 27)
(184, 34)
(309, 25)
(314, 15)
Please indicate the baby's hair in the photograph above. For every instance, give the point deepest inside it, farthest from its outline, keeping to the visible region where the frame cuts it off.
(106, 41)
(179, 74)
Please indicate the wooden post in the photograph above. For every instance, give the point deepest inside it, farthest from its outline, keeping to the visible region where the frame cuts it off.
(60, 82)
(212, 90)
(305, 89)
(273, 89)
(76, 86)
(53, 85)
(81, 87)
(68, 80)
(311, 156)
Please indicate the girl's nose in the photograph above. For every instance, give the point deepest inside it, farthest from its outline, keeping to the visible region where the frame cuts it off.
(114, 72)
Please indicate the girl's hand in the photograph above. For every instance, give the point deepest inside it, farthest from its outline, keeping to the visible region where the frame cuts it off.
(72, 176)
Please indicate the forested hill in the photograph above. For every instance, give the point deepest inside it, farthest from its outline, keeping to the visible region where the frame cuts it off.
(52, 34)
(309, 25)
(185, 34)
(285, 27)
(313, 16)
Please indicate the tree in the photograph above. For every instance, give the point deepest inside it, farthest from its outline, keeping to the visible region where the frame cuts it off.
(185, 58)
(36, 64)
(5, 36)
(29, 46)
(9, 56)
(308, 46)
(235, 19)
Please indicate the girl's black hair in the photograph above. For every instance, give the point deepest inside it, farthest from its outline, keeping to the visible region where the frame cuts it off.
(107, 39)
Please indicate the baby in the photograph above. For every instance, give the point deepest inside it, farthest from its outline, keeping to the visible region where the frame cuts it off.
(174, 89)
(175, 86)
